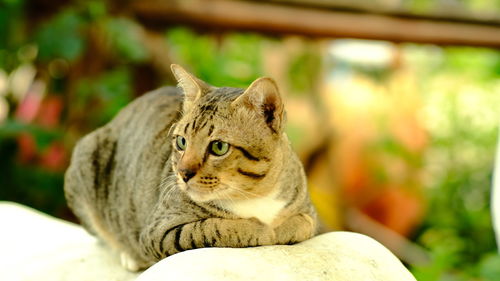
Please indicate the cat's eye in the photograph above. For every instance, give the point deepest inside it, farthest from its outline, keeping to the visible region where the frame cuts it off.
(218, 148)
(181, 143)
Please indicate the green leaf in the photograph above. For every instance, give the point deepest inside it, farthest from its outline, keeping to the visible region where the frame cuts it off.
(105, 95)
(43, 137)
(123, 35)
(62, 37)
(233, 61)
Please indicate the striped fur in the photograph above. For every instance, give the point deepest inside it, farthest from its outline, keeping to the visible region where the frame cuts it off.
(125, 184)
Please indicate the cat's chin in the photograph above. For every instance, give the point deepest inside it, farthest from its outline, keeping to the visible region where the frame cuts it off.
(201, 194)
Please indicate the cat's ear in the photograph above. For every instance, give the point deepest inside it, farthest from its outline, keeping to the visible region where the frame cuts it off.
(192, 87)
(263, 97)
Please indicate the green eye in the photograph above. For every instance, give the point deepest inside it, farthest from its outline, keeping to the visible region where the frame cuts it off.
(219, 148)
(181, 143)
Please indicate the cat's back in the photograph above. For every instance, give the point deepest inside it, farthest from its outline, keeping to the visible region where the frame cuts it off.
(115, 162)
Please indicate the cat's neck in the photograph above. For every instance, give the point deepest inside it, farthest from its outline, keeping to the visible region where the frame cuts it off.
(265, 208)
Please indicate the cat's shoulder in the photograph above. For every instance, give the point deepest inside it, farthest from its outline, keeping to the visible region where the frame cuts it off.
(166, 99)
(163, 94)
(162, 102)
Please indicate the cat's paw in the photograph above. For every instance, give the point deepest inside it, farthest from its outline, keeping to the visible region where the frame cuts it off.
(265, 234)
(296, 229)
(128, 262)
(309, 228)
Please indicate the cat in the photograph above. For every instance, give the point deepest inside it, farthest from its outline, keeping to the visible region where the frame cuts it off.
(189, 167)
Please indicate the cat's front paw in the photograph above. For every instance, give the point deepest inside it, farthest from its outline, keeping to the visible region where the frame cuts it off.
(265, 234)
(296, 229)
(128, 262)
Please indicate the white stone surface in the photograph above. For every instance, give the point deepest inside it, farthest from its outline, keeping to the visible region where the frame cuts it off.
(339, 256)
(34, 246)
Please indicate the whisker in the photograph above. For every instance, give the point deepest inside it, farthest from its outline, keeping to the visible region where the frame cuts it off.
(241, 193)
(244, 193)
(226, 197)
(168, 183)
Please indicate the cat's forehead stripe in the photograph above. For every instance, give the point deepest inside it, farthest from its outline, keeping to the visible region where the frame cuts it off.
(210, 106)
(197, 124)
(211, 130)
(201, 120)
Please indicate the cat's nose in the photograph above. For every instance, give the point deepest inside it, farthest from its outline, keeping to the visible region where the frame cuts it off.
(187, 174)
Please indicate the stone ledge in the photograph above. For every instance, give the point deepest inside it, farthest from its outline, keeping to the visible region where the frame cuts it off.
(38, 247)
(332, 256)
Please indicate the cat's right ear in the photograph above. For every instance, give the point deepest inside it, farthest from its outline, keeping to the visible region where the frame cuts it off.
(192, 87)
(263, 97)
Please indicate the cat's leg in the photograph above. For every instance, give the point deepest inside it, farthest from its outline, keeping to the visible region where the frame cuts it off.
(295, 229)
(128, 262)
(133, 262)
(212, 232)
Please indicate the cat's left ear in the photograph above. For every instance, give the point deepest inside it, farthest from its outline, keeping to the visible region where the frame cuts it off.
(263, 97)
(192, 87)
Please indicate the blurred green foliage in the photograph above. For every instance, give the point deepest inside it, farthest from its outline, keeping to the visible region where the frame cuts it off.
(12, 33)
(230, 61)
(128, 45)
(30, 185)
(460, 87)
(453, 7)
(61, 37)
(113, 89)
(85, 58)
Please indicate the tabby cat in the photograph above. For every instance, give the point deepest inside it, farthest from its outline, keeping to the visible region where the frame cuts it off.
(190, 167)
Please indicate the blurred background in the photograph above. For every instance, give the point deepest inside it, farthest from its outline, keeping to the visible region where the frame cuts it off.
(393, 105)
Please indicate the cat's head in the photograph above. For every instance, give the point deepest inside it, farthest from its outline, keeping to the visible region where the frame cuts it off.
(229, 142)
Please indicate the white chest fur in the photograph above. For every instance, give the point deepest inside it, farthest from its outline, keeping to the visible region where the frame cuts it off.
(264, 209)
